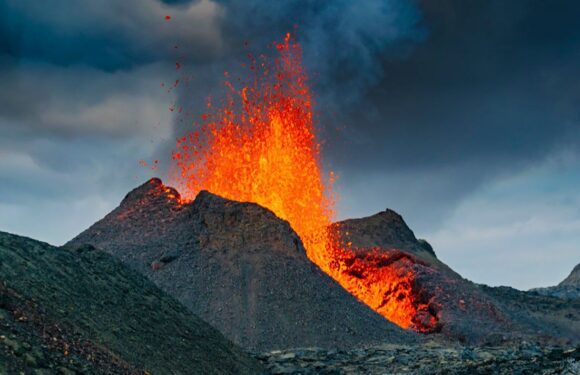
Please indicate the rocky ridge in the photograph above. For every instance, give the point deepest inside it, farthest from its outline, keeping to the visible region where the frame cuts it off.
(387, 230)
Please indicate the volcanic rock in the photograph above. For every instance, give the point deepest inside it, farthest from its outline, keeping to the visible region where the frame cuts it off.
(543, 318)
(84, 312)
(429, 358)
(239, 267)
(449, 304)
(386, 230)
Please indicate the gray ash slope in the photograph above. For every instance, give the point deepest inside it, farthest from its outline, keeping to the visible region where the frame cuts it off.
(465, 311)
(239, 267)
(85, 312)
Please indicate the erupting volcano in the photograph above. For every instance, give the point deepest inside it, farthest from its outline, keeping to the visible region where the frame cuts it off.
(261, 146)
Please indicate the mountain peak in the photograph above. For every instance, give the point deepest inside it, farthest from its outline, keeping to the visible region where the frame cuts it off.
(150, 192)
(573, 278)
(386, 229)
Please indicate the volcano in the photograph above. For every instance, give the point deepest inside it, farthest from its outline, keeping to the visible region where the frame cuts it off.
(245, 271)
(277, 273)
(239, 267)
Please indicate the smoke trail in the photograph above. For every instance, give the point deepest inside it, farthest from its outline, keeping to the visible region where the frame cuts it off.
(344, 41)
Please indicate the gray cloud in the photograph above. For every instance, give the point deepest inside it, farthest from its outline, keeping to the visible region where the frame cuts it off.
(108, 35)
(45, 100)
(491, 92)
(344, 42)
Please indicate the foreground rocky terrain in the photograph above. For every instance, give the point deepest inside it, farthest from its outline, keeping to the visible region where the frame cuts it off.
(238, 267)
(84, 312)
(429, 358)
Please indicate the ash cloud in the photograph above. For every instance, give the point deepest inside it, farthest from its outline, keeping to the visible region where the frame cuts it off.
(490, 93)
(344, 42)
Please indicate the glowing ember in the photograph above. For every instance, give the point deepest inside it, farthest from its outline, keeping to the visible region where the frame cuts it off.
(260, 146)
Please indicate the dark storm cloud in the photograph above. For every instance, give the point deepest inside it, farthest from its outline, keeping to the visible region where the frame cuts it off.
(343, 41)
(178, 2)
(107, 34)
(343, 45)
(494, 88)
(495, 81)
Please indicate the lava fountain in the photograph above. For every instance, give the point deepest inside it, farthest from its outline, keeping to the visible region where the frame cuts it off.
(260, 146)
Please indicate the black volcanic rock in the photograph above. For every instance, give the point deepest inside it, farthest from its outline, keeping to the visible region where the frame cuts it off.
(386, 230)
(84, 312)
(454, 306)
(543, 318)
(429, 358)
(239, 267)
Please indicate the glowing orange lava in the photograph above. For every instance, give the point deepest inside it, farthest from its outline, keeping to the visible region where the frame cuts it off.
(261, 146)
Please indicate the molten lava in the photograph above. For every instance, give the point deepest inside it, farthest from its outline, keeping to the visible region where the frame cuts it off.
(260, 146)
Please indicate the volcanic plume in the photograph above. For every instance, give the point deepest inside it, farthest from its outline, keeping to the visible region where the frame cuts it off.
(261, 146)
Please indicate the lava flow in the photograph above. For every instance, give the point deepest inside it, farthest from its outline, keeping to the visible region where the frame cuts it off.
(260, 146)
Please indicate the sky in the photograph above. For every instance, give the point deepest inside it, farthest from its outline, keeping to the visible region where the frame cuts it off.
(464, 117)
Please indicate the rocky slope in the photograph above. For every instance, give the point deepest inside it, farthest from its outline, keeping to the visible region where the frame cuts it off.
(237, 266)
(547, 319)
(452, 306)
(569, 288)
(386, 230)
(85, 312)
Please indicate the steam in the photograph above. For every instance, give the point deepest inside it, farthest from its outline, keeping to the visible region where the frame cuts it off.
(344, 42)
